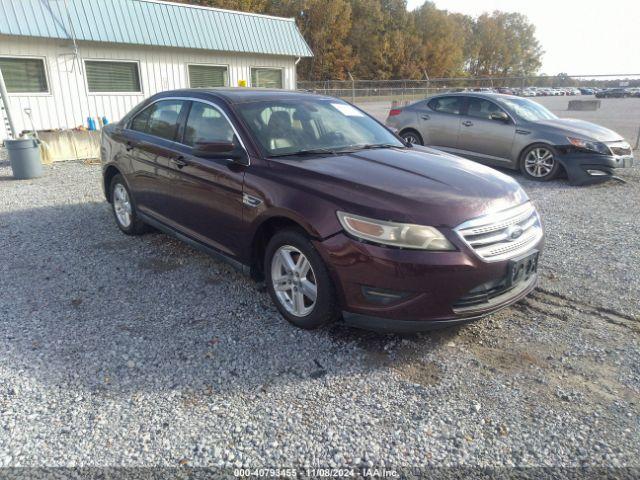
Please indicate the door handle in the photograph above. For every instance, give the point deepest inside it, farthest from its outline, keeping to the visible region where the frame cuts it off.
(130, 146)
(179, 161)
(425, 117)
(467, 123)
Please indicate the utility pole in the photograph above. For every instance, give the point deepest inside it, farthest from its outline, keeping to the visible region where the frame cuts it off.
(426, 77)
(353, 87)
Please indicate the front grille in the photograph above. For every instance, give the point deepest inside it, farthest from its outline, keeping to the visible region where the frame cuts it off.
(503, 235)
(620, 149)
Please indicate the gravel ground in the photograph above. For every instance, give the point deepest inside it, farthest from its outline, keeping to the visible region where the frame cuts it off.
(142, 352)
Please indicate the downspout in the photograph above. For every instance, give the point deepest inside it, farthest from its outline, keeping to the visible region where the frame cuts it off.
(7, 108)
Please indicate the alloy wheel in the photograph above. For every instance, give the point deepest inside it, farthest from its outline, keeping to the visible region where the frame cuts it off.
(294, 281)
(539, 162)
(122, 205)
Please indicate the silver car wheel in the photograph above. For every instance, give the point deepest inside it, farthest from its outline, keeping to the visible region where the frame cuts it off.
(293, 280)
(539, 162)
(122, 205)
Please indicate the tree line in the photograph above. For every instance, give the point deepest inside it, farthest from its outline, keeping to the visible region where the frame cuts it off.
(381, 39)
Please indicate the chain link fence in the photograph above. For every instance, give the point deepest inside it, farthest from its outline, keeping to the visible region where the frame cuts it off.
(408, 90)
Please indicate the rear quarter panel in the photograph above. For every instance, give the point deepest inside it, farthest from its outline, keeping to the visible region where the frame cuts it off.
(408, 118)
(113, 152)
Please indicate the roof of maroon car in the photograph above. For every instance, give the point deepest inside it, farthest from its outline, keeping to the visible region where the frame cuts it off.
(243, 95)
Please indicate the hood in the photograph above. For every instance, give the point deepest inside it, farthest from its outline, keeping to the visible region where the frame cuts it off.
(582, 129)
(416, 185)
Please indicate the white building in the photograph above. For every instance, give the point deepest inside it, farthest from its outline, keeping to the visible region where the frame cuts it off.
(67, 60)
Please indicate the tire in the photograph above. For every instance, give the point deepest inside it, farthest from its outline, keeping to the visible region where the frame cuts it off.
(412, 137)
(123, 206)
(535, 158)
(312, 314)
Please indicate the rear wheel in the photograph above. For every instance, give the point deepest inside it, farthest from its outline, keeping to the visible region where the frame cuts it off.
(298, 281)
(124, 209)
(412, 137)
(539, 162)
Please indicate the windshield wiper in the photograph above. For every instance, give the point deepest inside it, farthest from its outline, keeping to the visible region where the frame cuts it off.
(371, 146)
(339, 150)
(310, 151)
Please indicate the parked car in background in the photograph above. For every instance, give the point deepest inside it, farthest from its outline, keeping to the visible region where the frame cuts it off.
(587, 91)
(339, 217)
(481, 89)
(515, 133)
(613, 93)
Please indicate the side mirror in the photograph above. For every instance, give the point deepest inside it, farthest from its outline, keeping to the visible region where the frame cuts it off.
(499, 116)
(221, 150)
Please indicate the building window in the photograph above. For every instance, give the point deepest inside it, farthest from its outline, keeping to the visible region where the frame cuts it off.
(24, 75)
(207, 76)
(116, 77)
(266, 77)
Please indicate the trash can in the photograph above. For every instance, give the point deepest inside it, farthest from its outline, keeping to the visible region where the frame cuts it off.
(24, 155)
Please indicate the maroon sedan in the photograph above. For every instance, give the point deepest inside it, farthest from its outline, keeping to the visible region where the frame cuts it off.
(339, 217)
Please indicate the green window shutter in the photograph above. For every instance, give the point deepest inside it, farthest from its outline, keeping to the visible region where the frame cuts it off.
(207, 76)
(113, 76)
(266, 77)
(24, 75)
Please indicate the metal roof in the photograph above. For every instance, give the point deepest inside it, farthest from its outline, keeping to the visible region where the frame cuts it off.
(153, 23)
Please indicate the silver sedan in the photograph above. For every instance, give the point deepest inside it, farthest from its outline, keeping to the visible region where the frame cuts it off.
(513, 132)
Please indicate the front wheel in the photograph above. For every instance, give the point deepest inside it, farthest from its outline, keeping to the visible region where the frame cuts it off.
(540, 162)
(298, 281)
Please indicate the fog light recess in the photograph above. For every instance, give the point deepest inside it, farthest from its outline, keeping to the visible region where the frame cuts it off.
(382, 296)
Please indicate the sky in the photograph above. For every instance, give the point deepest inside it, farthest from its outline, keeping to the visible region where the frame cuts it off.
(579, 37)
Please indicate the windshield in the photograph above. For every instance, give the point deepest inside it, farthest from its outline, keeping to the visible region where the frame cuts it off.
(527, 110)
(309, 125)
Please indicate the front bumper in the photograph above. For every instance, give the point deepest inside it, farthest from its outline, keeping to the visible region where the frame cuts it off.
(585, 168)
(429, 285)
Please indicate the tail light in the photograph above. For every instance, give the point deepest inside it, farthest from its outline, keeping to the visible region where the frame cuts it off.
(394, 111)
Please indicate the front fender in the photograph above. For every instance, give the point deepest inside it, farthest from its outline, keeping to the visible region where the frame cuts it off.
(318, 230)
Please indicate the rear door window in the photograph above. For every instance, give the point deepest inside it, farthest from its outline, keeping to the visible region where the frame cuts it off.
(159, 119)
(452, 105)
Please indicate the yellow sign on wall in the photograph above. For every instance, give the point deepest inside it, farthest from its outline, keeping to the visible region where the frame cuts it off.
(242, 83)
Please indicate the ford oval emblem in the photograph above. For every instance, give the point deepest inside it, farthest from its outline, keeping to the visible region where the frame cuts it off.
(514, 232)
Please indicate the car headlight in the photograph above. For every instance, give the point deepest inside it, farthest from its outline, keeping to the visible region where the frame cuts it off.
(589, 145)
(403, 235)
